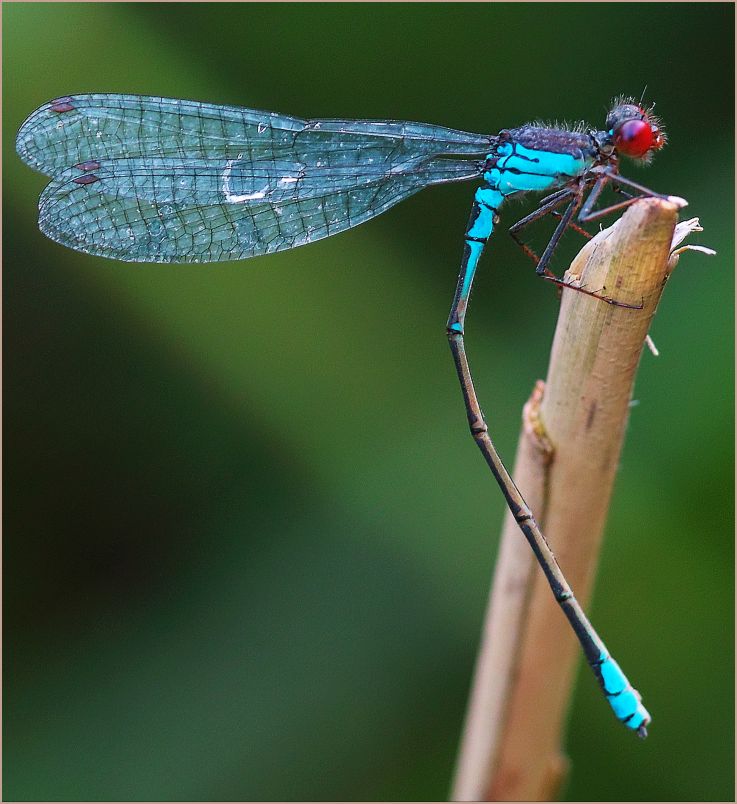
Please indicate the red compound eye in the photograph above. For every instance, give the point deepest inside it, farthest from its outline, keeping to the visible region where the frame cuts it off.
(636, 137)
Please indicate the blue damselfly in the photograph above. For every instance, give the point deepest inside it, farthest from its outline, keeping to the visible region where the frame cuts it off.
(150, 179)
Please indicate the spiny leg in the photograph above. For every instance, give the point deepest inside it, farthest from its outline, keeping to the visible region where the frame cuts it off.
(622, 697)
(565, 222)
(548, 206)
(574, 226)
(587, 214)
(606, 175)
(580, 230)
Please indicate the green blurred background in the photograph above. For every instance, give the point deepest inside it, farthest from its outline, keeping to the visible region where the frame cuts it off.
(248, 540)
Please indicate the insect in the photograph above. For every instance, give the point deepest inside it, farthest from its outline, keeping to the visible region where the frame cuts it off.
(150, 179)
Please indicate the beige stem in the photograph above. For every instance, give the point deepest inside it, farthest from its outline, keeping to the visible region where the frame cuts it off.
(566, 462)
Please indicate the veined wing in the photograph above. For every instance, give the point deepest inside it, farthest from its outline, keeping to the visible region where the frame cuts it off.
(205, 210)
(80, 128)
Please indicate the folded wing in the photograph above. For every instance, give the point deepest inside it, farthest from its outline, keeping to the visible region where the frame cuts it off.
(79, 128)
(139, 210)
(163, 180)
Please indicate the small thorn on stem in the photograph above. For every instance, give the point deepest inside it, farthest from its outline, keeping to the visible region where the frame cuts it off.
(651, 346)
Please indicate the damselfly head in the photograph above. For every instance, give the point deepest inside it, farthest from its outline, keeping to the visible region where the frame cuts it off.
(634, 130)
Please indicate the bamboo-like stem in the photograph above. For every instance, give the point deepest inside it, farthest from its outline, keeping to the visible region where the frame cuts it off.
(565, 466)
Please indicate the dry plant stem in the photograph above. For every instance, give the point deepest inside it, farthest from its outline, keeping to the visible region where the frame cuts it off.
(566, 463)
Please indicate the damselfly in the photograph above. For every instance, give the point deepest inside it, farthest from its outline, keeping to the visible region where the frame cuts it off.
(160, 180)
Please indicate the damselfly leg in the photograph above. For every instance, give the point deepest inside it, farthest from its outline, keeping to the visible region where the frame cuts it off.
(588, 213)
(549, 206)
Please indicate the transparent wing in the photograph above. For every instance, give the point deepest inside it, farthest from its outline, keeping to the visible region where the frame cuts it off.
(164, 180)
(163, 210)
(80, 128)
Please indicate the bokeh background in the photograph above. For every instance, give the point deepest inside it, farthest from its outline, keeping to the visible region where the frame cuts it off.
(247, 538)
